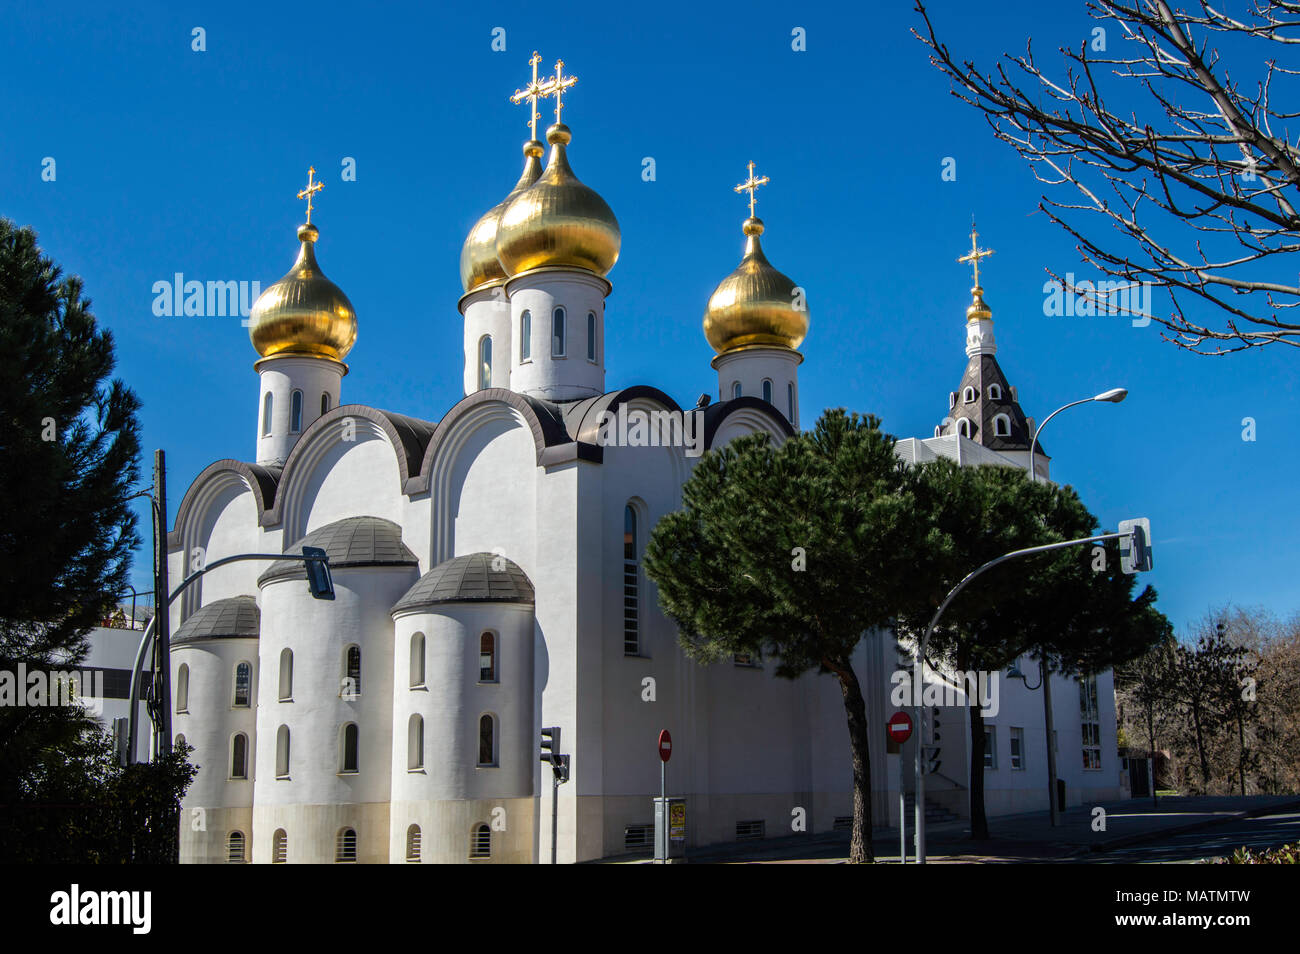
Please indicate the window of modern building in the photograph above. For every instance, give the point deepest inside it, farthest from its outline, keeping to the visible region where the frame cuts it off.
(1090, 723)
(591, 336)
(487, 658)
(346, 847)
(558, 333)
(183, 688)
(767, 390)
(282, 752)
(286, 675)
(279, 847)
(1017, 749)
(295, 412)
(351, 672)
(480, 843)
(267, 403)
(235, 848)
(526, 335)
(239, 756)
(485, 362)
(990, 746)
(417, 660)
(243, 685)
(415, 743)
(487, 750)
(413, 843)
(348, 744)
(631, 585)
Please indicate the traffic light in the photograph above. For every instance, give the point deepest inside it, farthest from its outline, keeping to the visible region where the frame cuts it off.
(934, 726)
(1135, 547)
(562, 769)
(551, 746)
(932, 761)
(319, 580)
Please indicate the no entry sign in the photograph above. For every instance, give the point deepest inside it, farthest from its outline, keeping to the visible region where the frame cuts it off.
(665, 745)
(899, 727)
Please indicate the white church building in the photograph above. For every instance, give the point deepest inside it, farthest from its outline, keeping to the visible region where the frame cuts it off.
(488, 571)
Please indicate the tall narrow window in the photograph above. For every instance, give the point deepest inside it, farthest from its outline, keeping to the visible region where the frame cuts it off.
(1090, 722)
(279, 847)
(348, 757)
(417, 660)
(557, 333)
(183, 688)
(415, 743)
(591, 336)
(346, 849)
(235, 848)
(487, 658)
(964, 427)
(1001, 426)
(352, 673)
(1017, 749)
(485, 362)
(239, 756)
(767, 390)
(480, 843)
(266, 414)
(487, 753)
(243, 685)
(990, 747)
(735, 389)
(789, 397)
(526, 336)
(295, 412)
(324, 403)
(286, 675)
(631, 585)
(413, 843)
(282, 752)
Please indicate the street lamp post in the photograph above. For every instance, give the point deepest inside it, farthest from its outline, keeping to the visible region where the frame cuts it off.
(1113, 396)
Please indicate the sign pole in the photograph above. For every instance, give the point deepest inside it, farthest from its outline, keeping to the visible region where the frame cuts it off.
(902, 811)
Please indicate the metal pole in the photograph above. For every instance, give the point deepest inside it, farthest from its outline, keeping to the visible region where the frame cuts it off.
(663, 811)
(902, 809)
(1037, 430)
(555, 811)
(1053, 808)
(162, 674)
(918, 786)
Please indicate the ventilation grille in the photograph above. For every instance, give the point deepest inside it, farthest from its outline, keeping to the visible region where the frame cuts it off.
(843, 823)
(637, 837)
(750, 830)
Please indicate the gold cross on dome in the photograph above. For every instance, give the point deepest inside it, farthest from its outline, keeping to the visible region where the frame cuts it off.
(749, 185)
(532, 92)
(311, 190)
(975, 254)
(556, 86)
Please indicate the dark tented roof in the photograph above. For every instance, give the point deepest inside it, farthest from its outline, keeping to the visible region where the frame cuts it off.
(235, 618)
(474, 578)
(352, 542)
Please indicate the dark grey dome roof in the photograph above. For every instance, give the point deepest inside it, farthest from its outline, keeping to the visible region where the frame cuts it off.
(235, 618)
(352, 542)
(474, 578)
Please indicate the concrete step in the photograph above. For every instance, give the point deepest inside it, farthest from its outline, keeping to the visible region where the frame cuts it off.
(933, 811)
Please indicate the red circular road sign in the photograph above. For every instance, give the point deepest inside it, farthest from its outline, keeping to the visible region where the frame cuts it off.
(899, 727)
(665, 745)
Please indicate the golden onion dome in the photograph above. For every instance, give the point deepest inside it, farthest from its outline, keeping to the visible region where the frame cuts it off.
(303, 313)
(755, 306)
(557, 220)
(479, 264)
(977, 310)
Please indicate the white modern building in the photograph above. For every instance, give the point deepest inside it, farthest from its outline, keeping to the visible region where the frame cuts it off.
(487, 562)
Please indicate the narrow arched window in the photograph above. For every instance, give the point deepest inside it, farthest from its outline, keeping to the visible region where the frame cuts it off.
(346, 848)
(348, 757)
(243, 685)
(180, 741)
(279, 847)
(964, 427)
(415, 743)
(324, 403)
(995, 392)
(417, 660)
(526, 335)
(968, 396)
(485, 362)
(952, 399)
(487, 658)
(267, 403)
(352, 673)
(1001, 426)
(480, 842)
(735, 389)
(767, 390)
(282, 752)
(235, 848)
(239, 756)
(558, 335)
(789, 399)
(286, 675)
(591, 336)
(487, 751)
(413, 843)
(295, 412)
(631, 585)
(183, 688)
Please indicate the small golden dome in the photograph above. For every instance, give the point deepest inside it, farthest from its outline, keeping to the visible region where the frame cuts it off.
(304, 312)
(558, 220)
(479, 264)
(755, 306)
(977, 310)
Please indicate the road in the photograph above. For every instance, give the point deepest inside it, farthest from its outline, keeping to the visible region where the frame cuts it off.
(1266, 831)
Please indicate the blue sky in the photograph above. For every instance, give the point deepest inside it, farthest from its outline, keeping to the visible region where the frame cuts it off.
(170, 160)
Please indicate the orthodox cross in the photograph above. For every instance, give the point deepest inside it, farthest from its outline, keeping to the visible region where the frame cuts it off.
(532, 92)
(556, 87)
(975, 254)
(749, 185)
(311, 190)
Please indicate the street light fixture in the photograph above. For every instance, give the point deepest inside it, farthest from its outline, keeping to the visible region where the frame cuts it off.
(1113, 396)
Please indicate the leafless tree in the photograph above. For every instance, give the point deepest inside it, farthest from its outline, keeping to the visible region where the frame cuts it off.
(1190, 163)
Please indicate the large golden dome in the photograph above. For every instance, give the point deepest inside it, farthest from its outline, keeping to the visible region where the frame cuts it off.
(755, 306)
(479, 264)
(558, 220)
(304, 312)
